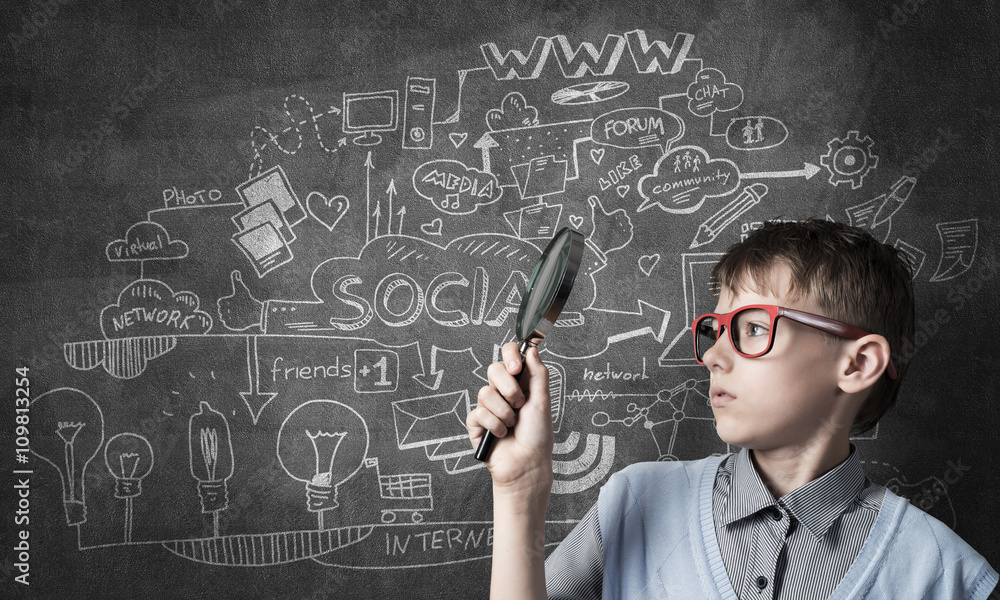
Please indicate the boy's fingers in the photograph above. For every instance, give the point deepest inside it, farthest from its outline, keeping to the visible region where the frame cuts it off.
(481, 417)
(473, 425)
(497, 405)
(505, 383)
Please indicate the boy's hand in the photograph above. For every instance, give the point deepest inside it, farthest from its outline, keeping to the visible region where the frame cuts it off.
(521, 460)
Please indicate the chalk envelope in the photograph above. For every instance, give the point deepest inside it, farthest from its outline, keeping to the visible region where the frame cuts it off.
(431, 419)
(462, 464)
(446, 450)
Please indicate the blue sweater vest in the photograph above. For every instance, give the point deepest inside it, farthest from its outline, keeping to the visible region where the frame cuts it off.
(659, 542)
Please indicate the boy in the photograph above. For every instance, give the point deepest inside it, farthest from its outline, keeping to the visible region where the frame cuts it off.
(800, 348)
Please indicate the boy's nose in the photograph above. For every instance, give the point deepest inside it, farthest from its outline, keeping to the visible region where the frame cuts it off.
(719, 353)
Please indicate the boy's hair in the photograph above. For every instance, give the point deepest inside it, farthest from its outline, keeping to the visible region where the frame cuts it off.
(854, 278)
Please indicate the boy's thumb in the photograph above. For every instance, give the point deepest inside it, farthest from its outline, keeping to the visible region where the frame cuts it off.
(538, 380)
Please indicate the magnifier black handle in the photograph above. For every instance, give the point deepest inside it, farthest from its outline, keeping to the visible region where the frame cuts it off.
(487, 441)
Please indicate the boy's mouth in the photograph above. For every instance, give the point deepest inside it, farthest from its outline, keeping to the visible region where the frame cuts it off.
(720, 397)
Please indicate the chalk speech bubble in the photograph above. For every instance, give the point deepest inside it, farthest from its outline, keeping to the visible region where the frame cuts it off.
(637, 127)
(755, 133)
(454, 188)
(710, 92)
(684, 177)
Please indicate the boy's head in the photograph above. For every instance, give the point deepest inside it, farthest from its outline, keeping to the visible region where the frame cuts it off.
(845, 272)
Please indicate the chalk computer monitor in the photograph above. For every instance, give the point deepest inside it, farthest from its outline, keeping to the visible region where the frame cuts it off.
(370, 113)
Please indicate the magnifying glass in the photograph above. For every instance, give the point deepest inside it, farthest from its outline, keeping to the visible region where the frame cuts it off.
(543, 300)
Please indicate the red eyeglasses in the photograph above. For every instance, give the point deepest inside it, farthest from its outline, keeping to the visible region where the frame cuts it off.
(751, 330)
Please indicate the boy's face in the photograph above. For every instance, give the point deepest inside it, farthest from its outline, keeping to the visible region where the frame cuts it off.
(786, 398)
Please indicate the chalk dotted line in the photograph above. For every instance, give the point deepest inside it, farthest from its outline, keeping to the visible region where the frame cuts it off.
(314, 116)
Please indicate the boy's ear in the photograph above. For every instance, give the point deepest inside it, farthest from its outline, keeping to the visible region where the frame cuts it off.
(867, 359)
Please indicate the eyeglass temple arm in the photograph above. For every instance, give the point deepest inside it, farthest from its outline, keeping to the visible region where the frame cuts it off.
(837, 328)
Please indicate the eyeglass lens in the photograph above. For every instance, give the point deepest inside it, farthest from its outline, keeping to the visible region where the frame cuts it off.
(750, 331)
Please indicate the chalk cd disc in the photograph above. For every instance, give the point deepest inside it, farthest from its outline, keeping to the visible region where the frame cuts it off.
(589, 93)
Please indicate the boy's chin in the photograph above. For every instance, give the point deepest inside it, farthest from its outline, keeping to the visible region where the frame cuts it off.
(727, 433)
(736, 434)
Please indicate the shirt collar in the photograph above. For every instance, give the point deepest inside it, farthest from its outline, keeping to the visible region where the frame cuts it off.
(816, 504)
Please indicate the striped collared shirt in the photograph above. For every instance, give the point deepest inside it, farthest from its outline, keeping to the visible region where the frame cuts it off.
(798, 547)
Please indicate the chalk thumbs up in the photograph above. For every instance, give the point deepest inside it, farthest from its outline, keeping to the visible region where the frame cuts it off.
(240, 311)
(612, 230)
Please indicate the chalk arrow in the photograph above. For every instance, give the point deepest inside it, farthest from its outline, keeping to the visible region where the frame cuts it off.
(431, 381)
(391, 192)
(658, 319)
(254, 398)
(459, 362)
(401, 213)
(427, 377)
(378, 216)
(574, 343)
(807, 171)
(369, 165)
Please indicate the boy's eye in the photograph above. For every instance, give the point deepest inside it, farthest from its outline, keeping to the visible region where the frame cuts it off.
(753, 323)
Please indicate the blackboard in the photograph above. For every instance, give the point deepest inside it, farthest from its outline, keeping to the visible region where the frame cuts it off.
(257, 257)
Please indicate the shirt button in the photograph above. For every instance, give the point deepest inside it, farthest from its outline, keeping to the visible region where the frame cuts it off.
(775, 513)
(761, 582)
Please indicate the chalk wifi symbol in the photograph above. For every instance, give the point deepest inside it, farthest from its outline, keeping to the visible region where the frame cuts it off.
(557, 376)
(567, 446)
(582, 462)
(598, 449)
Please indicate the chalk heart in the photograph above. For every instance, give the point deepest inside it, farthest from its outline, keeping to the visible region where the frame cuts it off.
(457, 139)
(330, 211)
(432, 228)
(597, 155)
(648, 262)
(575, 221)
(622, 190)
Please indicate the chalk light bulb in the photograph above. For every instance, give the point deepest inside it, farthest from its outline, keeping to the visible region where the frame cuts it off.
(70, 429)
(322, 443)
(129, 458)
(210, 449)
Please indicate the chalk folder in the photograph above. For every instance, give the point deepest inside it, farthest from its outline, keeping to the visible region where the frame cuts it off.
(541, 176)
(431, 419)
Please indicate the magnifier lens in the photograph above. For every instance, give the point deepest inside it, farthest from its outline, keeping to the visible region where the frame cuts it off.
(542, 286)
(547, 290)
